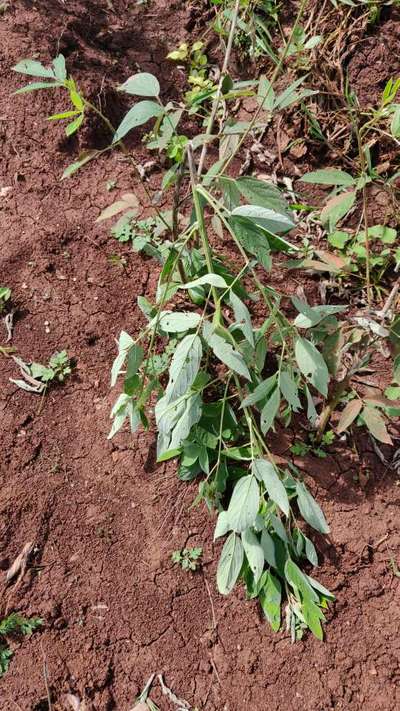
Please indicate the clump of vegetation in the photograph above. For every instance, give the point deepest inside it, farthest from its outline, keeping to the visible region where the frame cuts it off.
(187, 558)
(217, 378)
(37, 377)
(13, 627)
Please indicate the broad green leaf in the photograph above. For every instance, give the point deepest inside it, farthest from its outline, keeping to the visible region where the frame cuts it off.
(310, 316)
(244, 503)
(270, 599)
(289, 390)
(311, 553)
(230, 192)
(184, 366)
(230, 564)
(125, 342)
(376, 425)
(336, 208)
(260, 392)
(339, 239)
(270, 411)
(134, 360)
(349, 414)
(176, 321)
(259, 192)
(138, 115)
(254, 553)
(254, 239)
(312, 365)
(223, 525)
(311, 411)
(266, 472)
(227, 354)
(264, 217)
(320, 588)
(310, 510)
(189, 417)
(242, 317)
(35, 85)
(328, 176)
(34, 69)
(141, 84)
(211, 279)
(265, 94)
(59, 67)
(298, 580)
(312, 616)
(268, 546)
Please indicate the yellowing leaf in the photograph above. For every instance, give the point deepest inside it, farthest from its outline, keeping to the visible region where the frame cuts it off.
(349, 414)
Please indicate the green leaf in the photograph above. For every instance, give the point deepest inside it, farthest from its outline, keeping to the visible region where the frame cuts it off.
(311, 553)
(265, 94)
(66, 114)
(73, 127)
(376, 425)
(339, 239)
(264, 217)
(35, 85)
(312, 365)
(59, 67)
(349, 414)
(184, 367)
(260, 392)
(141, 84)
(270, 599)
(125, 342)
(211, 279)
(310, 316)
(138, 115)
(254, 239)
(269, 411)
(254, 553)
(230, 564)
(223, 525)
(242, 317)
(135, 359)
(298, 581)
(244, 503)
(230, 192)
(266, 472)
(176, 321)
(259, 192)
(289, 390)
(226, 353)
(34, 69)
(268, 546)
(395, 123)
(84, 158)
(336, 208)
(329, 176)
(310, 510)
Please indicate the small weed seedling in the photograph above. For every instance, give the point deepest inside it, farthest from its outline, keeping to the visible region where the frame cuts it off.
(13, 627)
(187, 558)
(5, 296)
(38, 377)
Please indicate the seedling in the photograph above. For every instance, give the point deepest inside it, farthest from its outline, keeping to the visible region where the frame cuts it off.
(5, 296)
(301, 449)
(187, 558)
(37, 377)
(13, 627)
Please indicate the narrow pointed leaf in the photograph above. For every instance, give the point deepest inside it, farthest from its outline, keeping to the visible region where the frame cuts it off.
(230, 564)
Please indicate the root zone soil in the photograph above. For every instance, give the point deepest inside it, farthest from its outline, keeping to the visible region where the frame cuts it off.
(104, 517)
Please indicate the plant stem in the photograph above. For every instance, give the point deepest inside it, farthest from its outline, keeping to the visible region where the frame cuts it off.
(218, 95)
(365, 216)
(202, 229)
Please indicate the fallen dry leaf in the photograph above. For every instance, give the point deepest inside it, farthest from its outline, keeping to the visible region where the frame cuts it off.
(20, 563)
(141, 706)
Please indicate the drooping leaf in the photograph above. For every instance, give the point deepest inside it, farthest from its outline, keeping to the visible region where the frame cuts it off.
(223, 525)
(312, 365)
(211, 279)
(349, 414)
(230, 564)
(289, 390)
(254, 553)
(270, 598)
(329, 176)
(35, 85)
(176, 321)
(34, 69)
(227, 354)
(310, 316)
(260, 392)
(184, 366)
(128, 201)
(259, 192)
(266, 472)
(244, 503)
(141, 84)
(270, 220)
(138, 115)
(59, 67)
(125, 342)
(376, 425)
(84, 158)
(254, 239)
(242, 317)
(310, 509)
(268, 546)
(270, 411)
(337, 207)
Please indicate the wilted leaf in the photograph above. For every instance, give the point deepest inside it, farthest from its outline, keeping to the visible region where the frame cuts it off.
(20, 563)
(349, 414)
